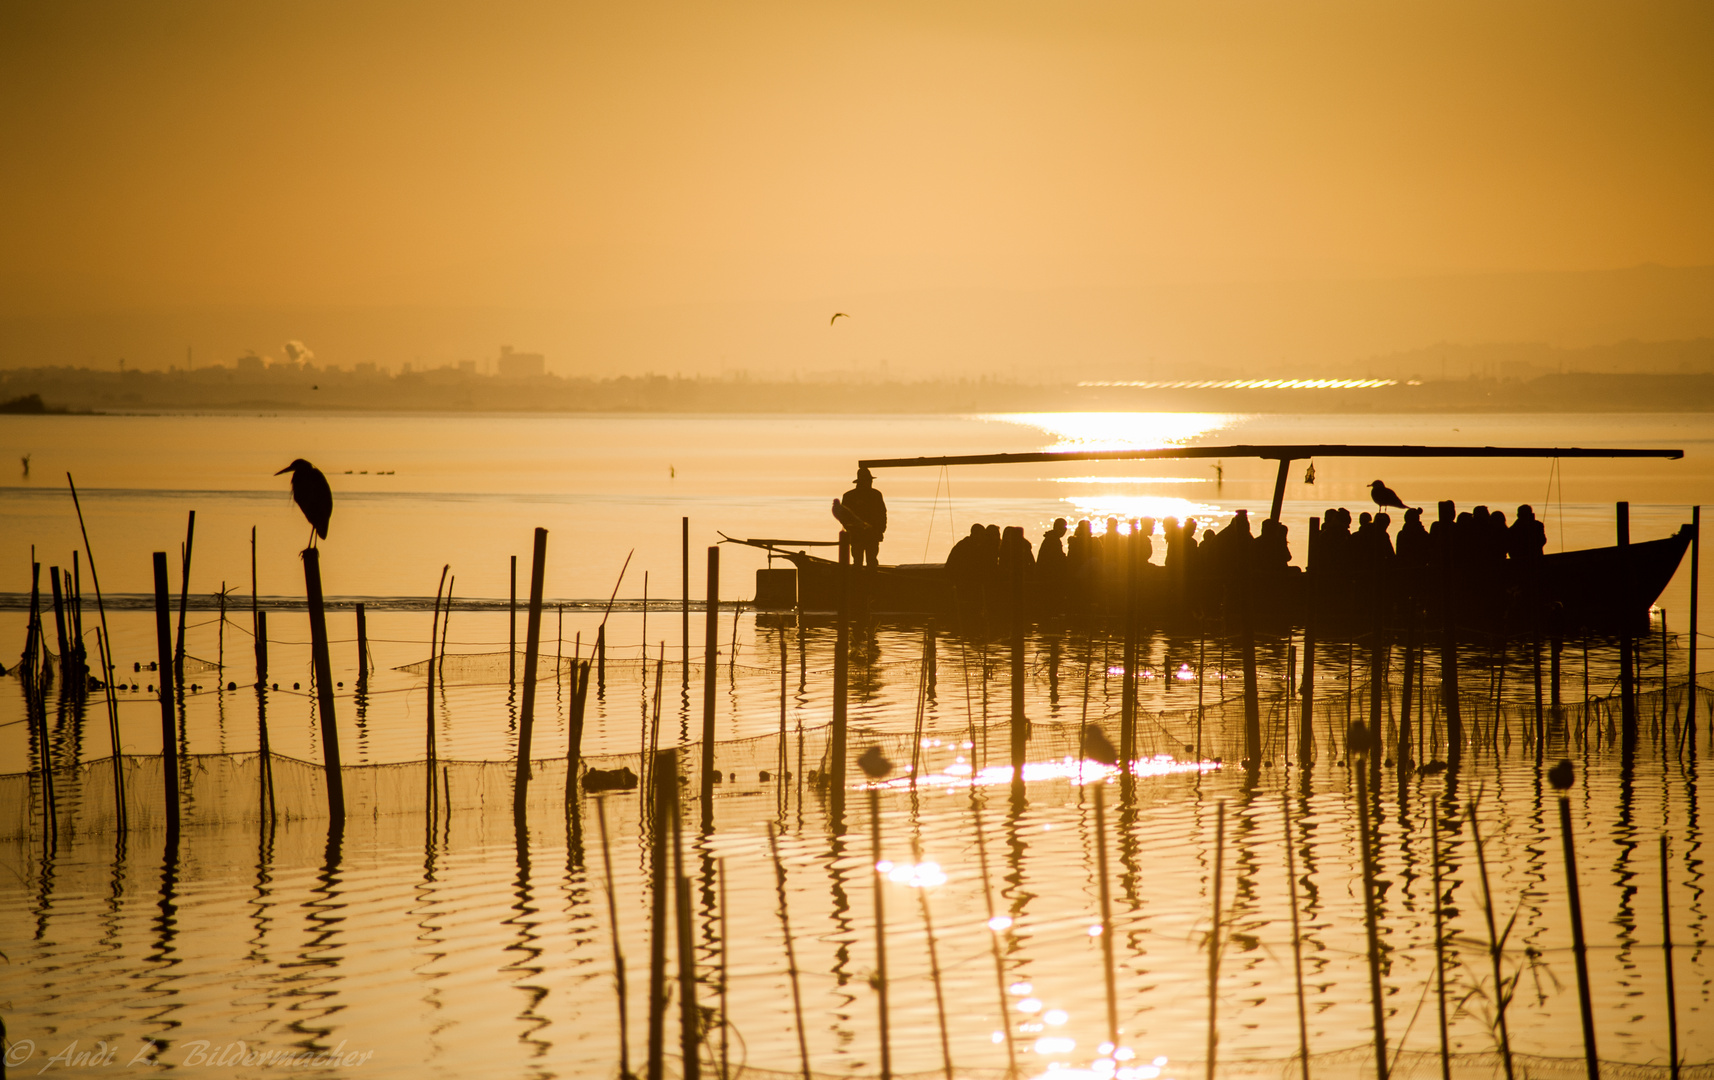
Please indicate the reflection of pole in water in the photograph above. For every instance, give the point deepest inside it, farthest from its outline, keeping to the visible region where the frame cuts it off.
(613, 924)
(1439, 940)
(1106, 926)
(1214, 936)
(1296, 939)
(791, 953)
(997, 925)
(1666, 954)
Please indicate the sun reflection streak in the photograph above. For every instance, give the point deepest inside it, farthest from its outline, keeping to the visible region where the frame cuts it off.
(959, 774)
(1119, 430)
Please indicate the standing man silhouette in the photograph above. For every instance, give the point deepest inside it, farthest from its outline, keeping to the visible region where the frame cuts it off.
(864, 502)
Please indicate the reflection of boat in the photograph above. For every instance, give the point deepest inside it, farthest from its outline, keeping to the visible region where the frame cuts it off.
(1595, 588)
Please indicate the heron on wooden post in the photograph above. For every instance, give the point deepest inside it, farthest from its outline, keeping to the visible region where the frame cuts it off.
(313, 496)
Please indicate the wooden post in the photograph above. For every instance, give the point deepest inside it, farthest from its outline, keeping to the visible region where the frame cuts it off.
(1252, 692)
(1279, 490)
(574, 726)
(323, 667)
(711, 647)
(1306, 725)
(1128, 661)
(1695, 567)
(841, 656)
(664, 772)
(362, 646)
(1020, 725)
(512, 630)
(261, 637)
(105, 641)
(601, 659)
(169, 734)
(184, 599)
(59, 629)
(1449, 641)
(684, 612)
(532, 651)
(1627, 645)
(1403, 754)
(263, 749)
(34, 673)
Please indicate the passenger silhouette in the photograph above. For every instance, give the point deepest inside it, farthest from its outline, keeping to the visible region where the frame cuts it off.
(865, 503)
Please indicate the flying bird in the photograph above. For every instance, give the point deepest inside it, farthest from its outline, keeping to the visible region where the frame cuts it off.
(838, 315)
(313, 496)
(1385, 496)
(875, 764)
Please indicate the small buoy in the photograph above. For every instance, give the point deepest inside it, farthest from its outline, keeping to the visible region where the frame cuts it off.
(339, 684)
(276, 686)
(718, 779)
(231, 686)
(151, 688)
(294, 686)
(136, 667)
(765, 777)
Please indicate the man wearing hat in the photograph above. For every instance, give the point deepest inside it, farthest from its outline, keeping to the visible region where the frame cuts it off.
(865, 503)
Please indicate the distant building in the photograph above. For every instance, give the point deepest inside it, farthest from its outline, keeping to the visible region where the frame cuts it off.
(467, 367)
(517, 365)
(250, 364)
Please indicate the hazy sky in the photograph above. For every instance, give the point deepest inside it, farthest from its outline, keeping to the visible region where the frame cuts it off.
(356, 153)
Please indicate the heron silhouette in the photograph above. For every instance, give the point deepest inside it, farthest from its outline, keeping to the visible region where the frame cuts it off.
(313, 496)
(1385, 496)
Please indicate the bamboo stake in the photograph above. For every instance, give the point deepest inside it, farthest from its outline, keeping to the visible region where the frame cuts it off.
(107, 672)
(663, 779)
(791, 954)
(263, 749)
(1695, 571)
(184, 600)
(428, 731)
(512, 629)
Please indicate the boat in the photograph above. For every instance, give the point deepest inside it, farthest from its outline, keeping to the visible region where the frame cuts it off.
(1602, 590)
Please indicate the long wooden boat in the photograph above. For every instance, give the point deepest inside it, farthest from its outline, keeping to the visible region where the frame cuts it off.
(1595, 589)
(1598, 589)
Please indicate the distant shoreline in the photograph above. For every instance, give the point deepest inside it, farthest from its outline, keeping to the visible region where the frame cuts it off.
(61, 391)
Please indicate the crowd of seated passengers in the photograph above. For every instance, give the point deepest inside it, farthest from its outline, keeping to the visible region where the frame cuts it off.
(1083, 565)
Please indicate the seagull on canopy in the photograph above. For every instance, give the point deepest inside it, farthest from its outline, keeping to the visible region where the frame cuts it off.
(1385, 496)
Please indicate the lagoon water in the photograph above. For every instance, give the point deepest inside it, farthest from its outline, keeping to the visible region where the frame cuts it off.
(455, 949)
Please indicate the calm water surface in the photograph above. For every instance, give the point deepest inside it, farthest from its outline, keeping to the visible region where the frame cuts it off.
(454, 946)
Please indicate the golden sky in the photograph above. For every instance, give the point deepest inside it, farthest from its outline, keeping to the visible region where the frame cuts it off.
(638, 153)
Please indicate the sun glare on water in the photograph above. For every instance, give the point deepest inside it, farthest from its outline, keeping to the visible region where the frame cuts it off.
(1119, 430)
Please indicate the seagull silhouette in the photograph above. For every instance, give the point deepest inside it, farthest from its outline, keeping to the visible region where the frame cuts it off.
(1385, 496)
(838, 315)
(313, 496)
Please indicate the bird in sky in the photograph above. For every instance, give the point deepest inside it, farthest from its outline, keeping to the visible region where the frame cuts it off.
(838, 315)
(1385, 496)
(874, 763)
(313, 496)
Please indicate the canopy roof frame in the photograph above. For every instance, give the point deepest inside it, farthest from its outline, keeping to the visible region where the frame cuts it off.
(1284, 453)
